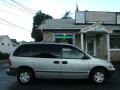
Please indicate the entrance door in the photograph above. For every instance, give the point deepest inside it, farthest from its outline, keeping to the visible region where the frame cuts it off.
(91, 46)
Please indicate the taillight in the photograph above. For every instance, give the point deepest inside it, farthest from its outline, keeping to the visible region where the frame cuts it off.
(9, 62)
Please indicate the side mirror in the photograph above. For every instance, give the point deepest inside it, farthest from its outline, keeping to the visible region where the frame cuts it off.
(86, 57)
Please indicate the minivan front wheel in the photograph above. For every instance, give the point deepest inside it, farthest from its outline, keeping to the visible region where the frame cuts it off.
(24, 76)
(98, 76)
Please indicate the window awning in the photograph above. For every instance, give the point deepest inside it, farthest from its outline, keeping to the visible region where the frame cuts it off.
(96, 27)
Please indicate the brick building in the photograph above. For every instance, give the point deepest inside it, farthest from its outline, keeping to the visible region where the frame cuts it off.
(96, 32)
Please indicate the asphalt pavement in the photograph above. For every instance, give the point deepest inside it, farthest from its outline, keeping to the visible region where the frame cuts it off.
(3, 63)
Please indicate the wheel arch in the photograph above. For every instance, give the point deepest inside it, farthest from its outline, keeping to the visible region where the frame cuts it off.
(25, 67)
(99, 67)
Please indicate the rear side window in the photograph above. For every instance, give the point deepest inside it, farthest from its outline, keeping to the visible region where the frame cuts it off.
(38, 51)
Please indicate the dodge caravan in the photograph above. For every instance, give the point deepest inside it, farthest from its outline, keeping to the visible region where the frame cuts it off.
(51, 60)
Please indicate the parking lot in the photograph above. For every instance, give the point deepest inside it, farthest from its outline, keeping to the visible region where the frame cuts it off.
(10, 83)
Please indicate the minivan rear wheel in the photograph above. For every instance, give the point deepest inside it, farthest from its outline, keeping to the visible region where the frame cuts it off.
(24, 76)
(98, 76)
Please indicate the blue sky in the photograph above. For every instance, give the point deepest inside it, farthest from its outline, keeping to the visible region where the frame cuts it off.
(56, 8)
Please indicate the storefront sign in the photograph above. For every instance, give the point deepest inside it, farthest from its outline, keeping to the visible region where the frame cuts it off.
(64, 36)
(96, 28)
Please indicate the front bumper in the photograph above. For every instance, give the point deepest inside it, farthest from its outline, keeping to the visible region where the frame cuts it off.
(111, 72)
(11, 71)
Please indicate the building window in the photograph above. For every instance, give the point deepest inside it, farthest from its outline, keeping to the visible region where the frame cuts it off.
(115, 41)
(116, 31)
(118, 18)
(64, 38)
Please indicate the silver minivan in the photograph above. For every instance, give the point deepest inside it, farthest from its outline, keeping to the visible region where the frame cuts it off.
(51, 60)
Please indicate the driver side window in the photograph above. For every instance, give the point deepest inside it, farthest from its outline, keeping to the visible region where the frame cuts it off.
(72, 53)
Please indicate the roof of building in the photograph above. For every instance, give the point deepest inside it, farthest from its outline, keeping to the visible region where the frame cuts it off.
(60, 24)
(2, 37)
(69, 24)
(6, 36)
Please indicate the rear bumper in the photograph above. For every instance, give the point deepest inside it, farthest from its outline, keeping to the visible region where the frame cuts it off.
(11, 71)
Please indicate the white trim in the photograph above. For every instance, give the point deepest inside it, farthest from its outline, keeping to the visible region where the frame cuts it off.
(53, 37)
(108, 46)
(82, 42)
(73, 39)
(95, 46)
(86, 44)
(114, 49)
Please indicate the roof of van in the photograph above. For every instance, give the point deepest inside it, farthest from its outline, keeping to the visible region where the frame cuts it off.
(48, 43)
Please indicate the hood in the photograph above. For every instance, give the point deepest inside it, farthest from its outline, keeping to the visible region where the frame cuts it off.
(103, 61)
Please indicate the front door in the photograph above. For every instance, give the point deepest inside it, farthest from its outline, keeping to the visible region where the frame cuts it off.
(91, 46)
(72, 63)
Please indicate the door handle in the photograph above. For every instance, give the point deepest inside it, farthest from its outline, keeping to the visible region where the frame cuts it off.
(56, 62)
(64, 62)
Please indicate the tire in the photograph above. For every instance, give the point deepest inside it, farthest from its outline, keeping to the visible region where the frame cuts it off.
(98, 76)
(25, 76)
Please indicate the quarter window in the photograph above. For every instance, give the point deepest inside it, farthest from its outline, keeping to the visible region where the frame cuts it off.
(38, 51)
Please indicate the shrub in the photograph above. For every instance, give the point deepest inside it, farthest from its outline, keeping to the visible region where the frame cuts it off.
(4, 55)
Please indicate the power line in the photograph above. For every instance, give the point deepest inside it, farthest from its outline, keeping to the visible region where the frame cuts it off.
(14, 24)
(4, 11)
(16, 7)
(8, 25)
(14, 14)
(4, 4)
(23, 6)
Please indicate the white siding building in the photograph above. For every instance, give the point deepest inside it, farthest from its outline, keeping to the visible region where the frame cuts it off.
(6, 45)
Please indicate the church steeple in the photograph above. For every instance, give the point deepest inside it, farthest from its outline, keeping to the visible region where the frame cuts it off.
(77, 9)
(79, 15)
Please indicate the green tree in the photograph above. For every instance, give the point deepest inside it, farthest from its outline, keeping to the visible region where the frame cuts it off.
(67, 15)
(38, 19)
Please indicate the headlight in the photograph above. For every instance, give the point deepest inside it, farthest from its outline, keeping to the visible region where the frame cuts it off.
(110, 66)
